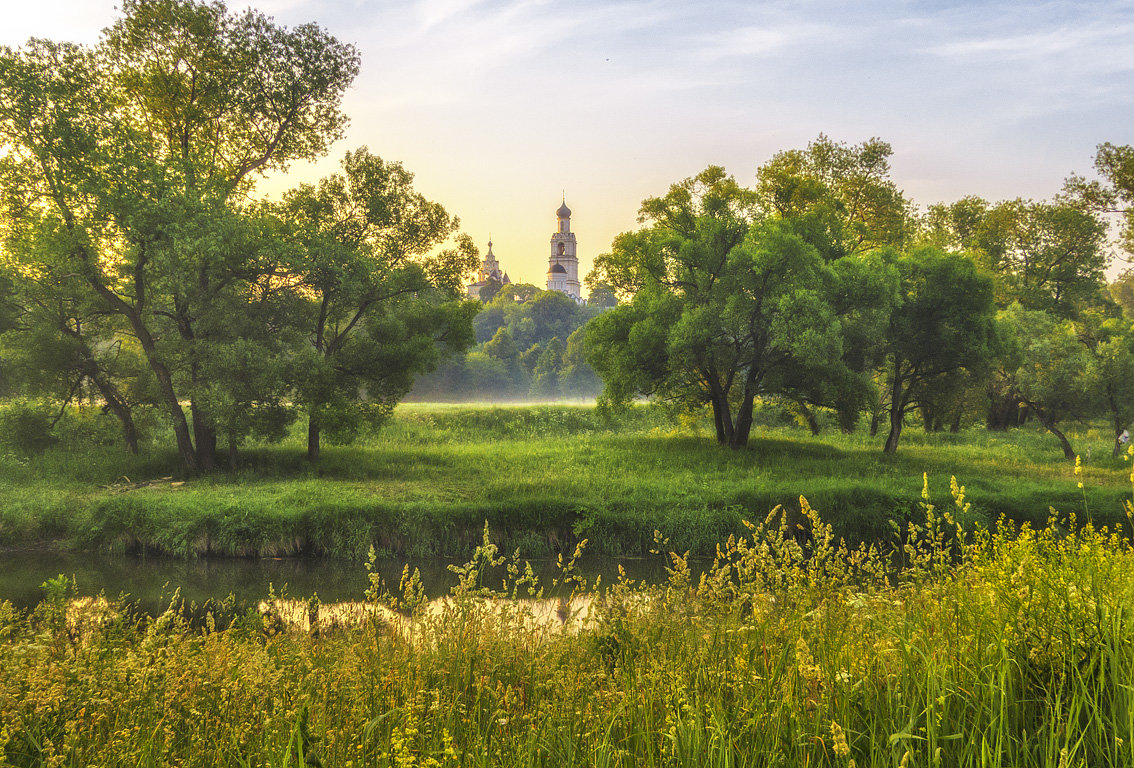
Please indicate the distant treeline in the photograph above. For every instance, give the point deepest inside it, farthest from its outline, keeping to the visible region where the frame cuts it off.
(529, 346)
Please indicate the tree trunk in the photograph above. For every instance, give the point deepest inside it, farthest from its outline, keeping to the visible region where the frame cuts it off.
(164, 380)
(1112, 403)
(114, 403)
(1050, 425)
(718, 422)
(1003, 410)
(955, 427)
(897, 416)
(122, 411)
(722, 415)
(313, 439)
(809, 417)
(206, 438)
(744, 419)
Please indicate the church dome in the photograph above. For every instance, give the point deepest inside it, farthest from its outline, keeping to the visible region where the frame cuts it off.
(564, 212)
(557, 268)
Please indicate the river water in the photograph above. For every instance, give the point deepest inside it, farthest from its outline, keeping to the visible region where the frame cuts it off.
(151, 581)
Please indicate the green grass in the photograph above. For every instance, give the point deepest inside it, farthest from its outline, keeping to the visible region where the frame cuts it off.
(543, 477)
(1012, 649)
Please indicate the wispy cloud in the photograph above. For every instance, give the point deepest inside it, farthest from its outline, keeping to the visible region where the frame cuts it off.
(760, 40)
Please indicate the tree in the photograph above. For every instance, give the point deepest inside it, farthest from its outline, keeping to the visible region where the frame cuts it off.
(1113, 193)
(576, 378)
(1048, 369)
(1048, 256)
(545, 375)
(1110, 346)
(503, 348)
(1122, 292)
(943, 324)
(385, 303)
(133, 162)
(489, 290)
(724, 307)
(841, 195)
(601, 295)
(56, 343)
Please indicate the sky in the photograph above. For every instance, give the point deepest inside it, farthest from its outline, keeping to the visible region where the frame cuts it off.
(500, 107)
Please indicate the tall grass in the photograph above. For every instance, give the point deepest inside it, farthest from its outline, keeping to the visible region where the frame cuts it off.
(1004, 648)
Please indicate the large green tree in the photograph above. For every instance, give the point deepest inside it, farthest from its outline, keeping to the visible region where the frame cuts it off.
(725, 306)
(1048, 368)
(942, 326)
(134, 160)
(384, 299)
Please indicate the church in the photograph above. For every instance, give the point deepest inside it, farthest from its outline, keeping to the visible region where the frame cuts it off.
(489, 270)
(562, 264)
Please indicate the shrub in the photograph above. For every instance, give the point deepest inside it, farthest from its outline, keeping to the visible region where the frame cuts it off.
(26, 426)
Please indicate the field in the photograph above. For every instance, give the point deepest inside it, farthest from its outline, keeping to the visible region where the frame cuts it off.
(543, 477)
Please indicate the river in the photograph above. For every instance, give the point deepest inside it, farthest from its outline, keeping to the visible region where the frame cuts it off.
(151, 581)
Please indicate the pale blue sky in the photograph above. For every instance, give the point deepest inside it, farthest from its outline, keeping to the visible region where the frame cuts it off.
(498, 105)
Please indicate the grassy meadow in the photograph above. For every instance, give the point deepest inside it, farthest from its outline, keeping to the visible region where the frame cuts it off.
(957, 643)
(543, 477)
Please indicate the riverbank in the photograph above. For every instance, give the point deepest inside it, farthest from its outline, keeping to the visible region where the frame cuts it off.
(543, 477)
(1009, 650)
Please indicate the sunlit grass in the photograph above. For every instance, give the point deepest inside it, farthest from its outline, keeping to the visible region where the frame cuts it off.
(542, 476)
(1013, 648)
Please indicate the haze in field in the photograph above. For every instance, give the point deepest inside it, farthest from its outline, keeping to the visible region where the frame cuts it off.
(501, 106)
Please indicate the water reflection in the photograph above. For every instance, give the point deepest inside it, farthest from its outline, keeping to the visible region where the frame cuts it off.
(150, 581)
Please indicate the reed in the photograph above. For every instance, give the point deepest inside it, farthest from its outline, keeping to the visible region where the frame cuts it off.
(1005, 647)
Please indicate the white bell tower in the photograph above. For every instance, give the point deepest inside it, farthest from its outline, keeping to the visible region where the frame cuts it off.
(563, 264)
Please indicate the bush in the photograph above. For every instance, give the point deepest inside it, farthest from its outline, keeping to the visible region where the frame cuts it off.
(26, 427)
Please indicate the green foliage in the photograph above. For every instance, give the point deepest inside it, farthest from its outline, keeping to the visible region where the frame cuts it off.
(129, 165)
(1110, 347)
(1049, 369)
(840, 197)
(383, 306)
(1048, 256)
(26, 426)
(729, 305)
(943, 325)
(1114, 191)
(545, 374)
(516, 330)
(144, 272)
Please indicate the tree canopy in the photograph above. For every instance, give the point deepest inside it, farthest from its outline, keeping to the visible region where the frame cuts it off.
(727, 305)
(128, 182)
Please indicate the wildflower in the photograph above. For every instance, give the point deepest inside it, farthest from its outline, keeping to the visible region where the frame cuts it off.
(958, 492)
(839, 740)
(1078, 466)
